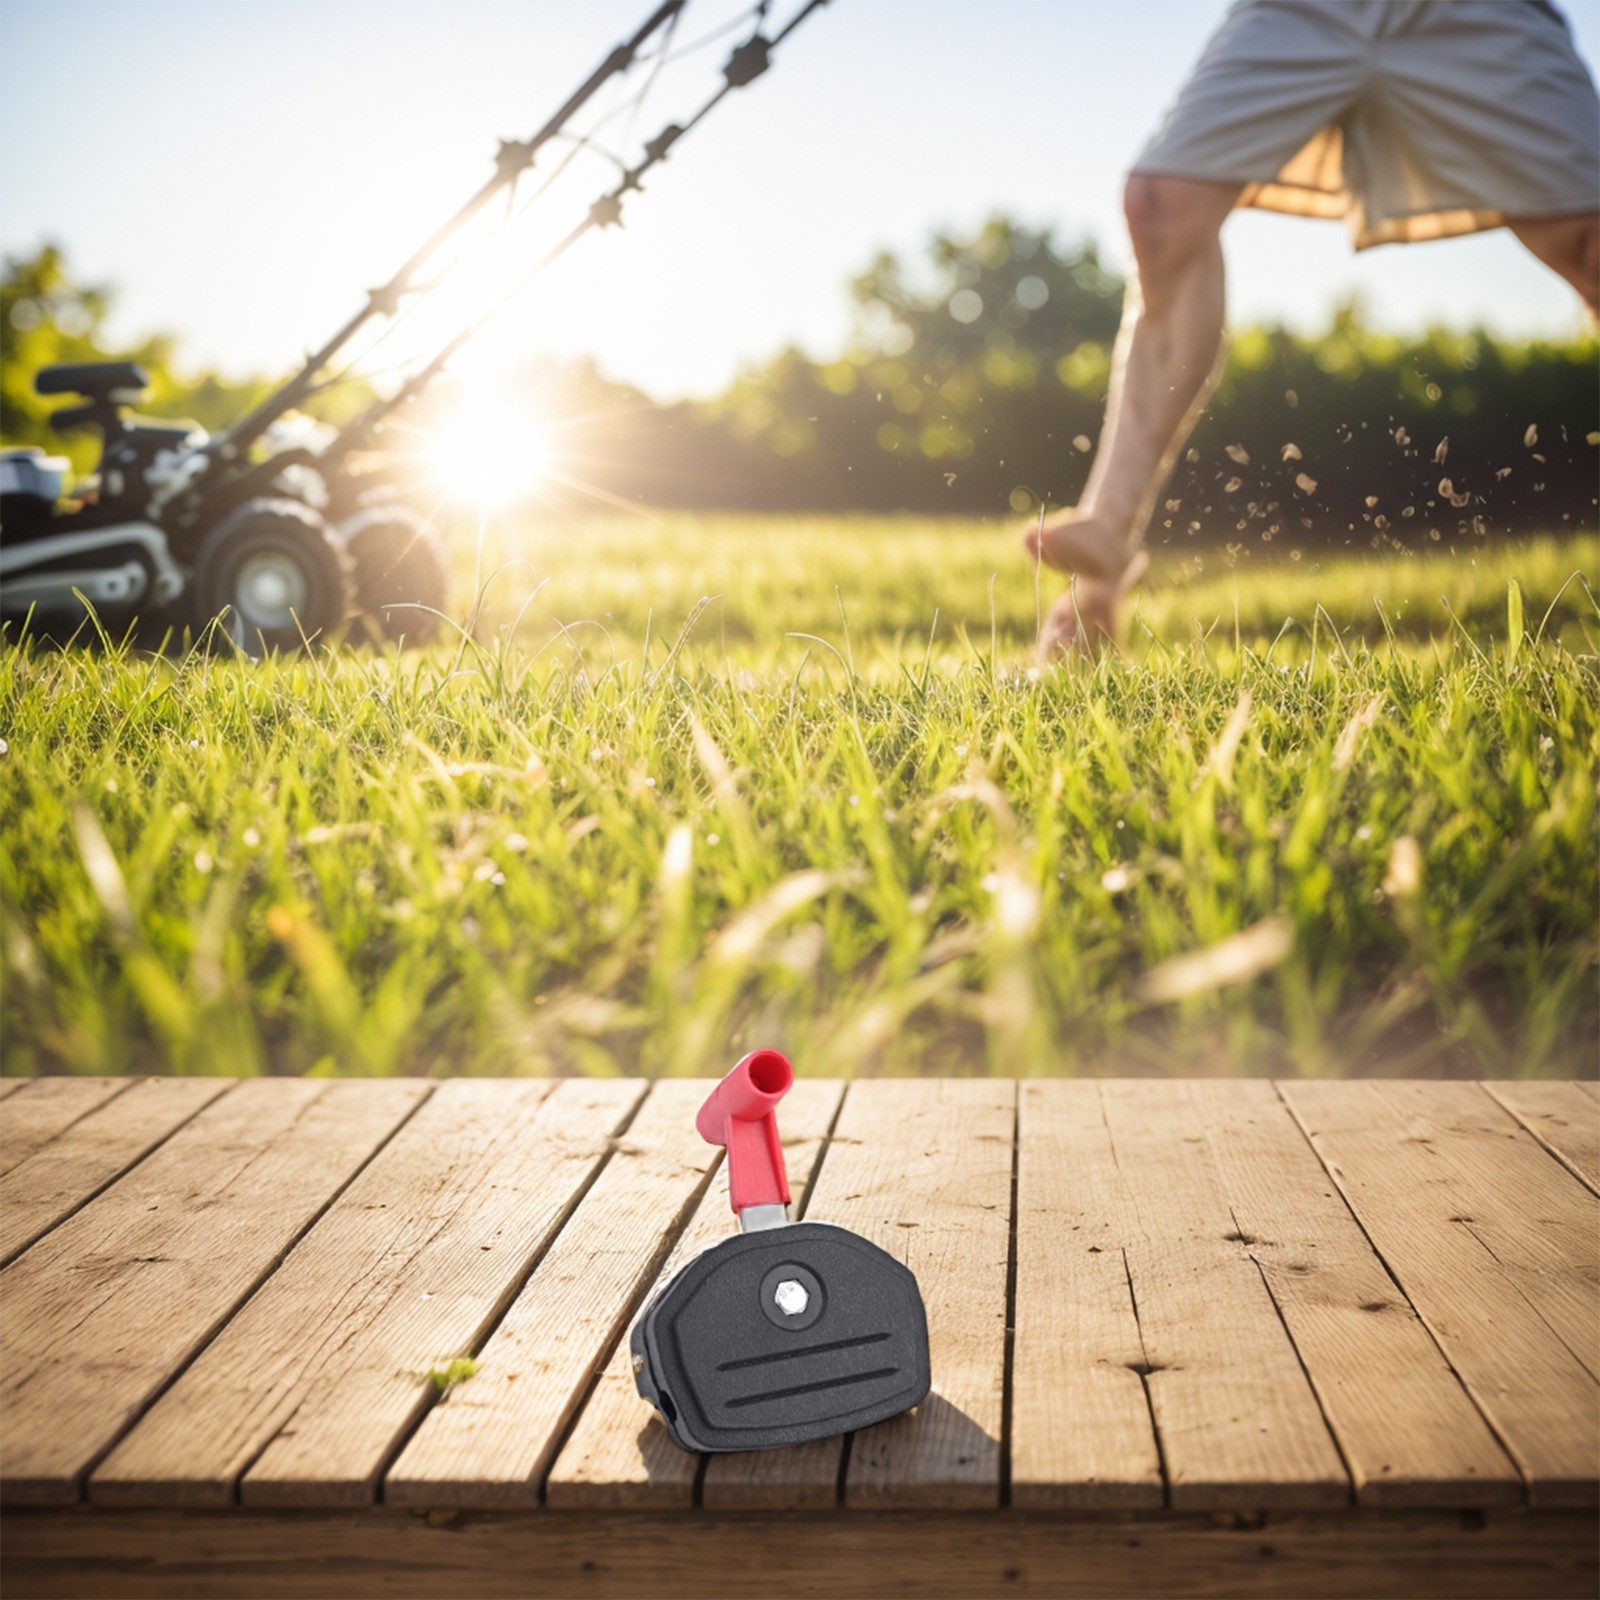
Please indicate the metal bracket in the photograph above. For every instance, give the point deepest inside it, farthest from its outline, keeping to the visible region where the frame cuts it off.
(753, 1219)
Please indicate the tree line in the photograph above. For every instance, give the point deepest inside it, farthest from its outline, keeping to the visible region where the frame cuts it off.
(974, 381)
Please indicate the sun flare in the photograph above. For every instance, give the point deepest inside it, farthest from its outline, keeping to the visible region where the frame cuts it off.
(492, 454)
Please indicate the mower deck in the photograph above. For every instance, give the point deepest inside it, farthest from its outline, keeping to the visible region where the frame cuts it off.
(1222, 1337)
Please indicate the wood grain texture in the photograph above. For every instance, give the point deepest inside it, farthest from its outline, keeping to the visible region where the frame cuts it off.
(46, 1108)
(1492, 1241)
(1081, 1430)
(1409, 1432)
(489, 1442)
(106, 1308)
(619, 1455)
(1540, 1223)
(388, 1555)
(305, 1396)
(244, 1296)
(923, 1169)
(9, 1086)
(1238, 1422)
(1561, 1116)
(89, 1153)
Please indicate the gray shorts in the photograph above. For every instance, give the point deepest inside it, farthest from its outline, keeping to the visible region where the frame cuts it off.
(1412, 119)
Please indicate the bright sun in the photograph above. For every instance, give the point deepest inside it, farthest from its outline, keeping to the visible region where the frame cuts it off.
(491, 454)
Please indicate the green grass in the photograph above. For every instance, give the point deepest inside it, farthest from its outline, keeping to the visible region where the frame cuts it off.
(1355, 793)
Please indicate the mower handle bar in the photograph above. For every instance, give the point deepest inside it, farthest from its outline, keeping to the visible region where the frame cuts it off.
(514, 158)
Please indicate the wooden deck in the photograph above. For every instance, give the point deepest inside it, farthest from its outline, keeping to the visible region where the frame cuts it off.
(1229, 1337)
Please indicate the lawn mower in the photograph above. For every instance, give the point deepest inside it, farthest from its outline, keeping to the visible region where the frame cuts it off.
(279, 530)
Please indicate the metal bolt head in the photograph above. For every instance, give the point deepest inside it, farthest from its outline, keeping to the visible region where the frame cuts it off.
(791, 1298)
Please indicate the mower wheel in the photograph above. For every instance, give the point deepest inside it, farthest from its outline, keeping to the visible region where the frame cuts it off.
(402, 577)
(275, 575)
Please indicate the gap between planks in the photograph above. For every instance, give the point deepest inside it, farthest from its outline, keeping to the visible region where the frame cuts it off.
(616, 1452)
(1561, 1116)
(1491, 1241)
(308, 1393)
(491, 1440)
(1336, 1406)
(922, 1167)
(91, 1343)
(44, 1108)
(85, 1158)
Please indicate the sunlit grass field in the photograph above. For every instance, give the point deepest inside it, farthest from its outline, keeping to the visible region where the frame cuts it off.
(689, 785)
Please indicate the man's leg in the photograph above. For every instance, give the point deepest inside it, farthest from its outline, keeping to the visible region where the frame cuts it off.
(1163, 368)
(1569, 246)
(1088, 615)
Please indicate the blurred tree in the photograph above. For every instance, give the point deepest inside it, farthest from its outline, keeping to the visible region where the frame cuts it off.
(1003, 289)
(976, 382)
(46, 317)
(993, 404)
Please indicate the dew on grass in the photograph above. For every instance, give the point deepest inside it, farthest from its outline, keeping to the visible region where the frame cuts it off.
(1403, 876)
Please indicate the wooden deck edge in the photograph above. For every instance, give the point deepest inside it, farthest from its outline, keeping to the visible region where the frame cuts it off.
(89, 1552)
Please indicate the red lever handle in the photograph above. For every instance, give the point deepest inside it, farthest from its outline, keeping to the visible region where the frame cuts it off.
(739, 1113)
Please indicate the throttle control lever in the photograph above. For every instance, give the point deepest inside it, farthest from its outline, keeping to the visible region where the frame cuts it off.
(787, 1331)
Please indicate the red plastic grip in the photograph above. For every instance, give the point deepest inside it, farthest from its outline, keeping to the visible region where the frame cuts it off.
(739, 1113)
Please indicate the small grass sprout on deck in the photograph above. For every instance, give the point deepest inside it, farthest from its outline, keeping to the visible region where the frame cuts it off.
(445, 1378)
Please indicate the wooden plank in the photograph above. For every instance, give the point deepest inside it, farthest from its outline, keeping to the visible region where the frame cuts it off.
(1484, 1233)
(167, 1555)
(306, 1394)
(101, 1313)
(1081, 1430)
(1238, 1422)
(489, 1442)
(619, 1454)
(79, 1162)
(1561, 1116)
(1409, 1432)
(1538, 1221)
(9, 1086)
(1080, 1425)
(923, 1169)
(50, 1106)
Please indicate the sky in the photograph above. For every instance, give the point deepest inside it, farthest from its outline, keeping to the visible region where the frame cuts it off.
(243, 171)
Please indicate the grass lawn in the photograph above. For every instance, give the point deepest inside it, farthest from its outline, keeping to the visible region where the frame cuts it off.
(1331, 815)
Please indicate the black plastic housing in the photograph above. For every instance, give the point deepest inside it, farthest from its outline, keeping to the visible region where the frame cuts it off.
(729, 1369)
